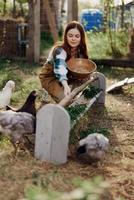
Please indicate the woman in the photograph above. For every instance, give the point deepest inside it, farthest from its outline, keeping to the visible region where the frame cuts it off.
(54, 75)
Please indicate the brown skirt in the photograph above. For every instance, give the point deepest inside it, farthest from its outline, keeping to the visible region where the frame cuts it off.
(50, 83)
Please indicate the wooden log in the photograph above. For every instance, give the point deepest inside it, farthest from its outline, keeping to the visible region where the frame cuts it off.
(98, 80)
(117, 86)
(68, 99)
(115, 62)
(130, 80)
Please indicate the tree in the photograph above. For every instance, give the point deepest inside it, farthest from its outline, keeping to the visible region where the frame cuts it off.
(14, 8)
(4, 7)
(51, 20)
(122, 13)
(33, 49)
(72, 10)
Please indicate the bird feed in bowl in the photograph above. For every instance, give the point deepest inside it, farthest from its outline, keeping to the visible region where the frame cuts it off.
(81, 68)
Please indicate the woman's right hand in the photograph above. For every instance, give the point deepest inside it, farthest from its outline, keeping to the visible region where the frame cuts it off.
(67, 89)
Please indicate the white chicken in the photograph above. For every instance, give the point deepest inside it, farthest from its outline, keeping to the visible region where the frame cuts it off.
(16, 125)
(92, 148)
(5, 94)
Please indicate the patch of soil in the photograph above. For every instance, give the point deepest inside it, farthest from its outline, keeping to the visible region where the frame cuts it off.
(117, 168)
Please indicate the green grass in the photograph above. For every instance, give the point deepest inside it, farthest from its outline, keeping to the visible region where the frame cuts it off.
(86, 190)
(46, 42)
(23, 74)
(91, 130)
(99, 44)
(75, 111)
(37, 178)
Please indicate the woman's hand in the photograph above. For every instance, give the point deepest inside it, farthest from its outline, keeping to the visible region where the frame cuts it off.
(67, 89)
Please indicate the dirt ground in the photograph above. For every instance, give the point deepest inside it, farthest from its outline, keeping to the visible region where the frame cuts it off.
(118, 167)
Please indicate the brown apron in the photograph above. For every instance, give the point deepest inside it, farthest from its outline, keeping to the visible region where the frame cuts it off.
(50, 83)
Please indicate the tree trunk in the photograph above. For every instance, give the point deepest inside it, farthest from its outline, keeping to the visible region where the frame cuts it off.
(33, 49)
(122, 14)
(106, 15)
(62, 5)
(72, 10)
(131, 45)
(21, 8)
(14, 8)
(51, 20)
(4, 7)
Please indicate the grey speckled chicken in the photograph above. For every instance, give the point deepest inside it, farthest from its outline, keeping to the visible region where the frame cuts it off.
(16, 125)
(92, 148)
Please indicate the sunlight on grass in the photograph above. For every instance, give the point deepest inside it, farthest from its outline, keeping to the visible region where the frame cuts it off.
(87, 190)
(99, 44)
(5, 144)
(23, 74)
(46, 42)
(25, 88)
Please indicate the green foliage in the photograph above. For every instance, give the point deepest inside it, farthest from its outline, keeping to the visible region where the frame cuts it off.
(8, 73)
(75, 111)
(90, 92)
(85, 133)
(23, 74)
(98, 43)
(22, 1)
(100, 47)
(9, 7)
(46, 41)
(86, 190)
(75, 136)
(4, 142)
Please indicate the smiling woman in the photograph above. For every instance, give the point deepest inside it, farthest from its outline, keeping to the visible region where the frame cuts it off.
(73, 38)
(54, 75)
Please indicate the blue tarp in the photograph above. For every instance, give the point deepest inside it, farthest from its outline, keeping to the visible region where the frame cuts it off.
(92, 19)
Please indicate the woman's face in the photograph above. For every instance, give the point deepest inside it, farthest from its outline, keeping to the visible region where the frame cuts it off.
(73, 37)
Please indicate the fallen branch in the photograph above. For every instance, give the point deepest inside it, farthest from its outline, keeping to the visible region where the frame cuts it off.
(66, 101)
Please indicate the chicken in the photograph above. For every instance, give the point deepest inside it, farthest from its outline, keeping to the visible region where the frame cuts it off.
(16, 125)
(92, 148)
(28, 106)
(5, 94)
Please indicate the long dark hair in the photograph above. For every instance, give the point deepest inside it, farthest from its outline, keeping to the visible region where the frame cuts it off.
(82, 46)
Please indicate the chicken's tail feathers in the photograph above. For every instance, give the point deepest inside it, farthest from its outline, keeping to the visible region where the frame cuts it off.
(9, 108)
